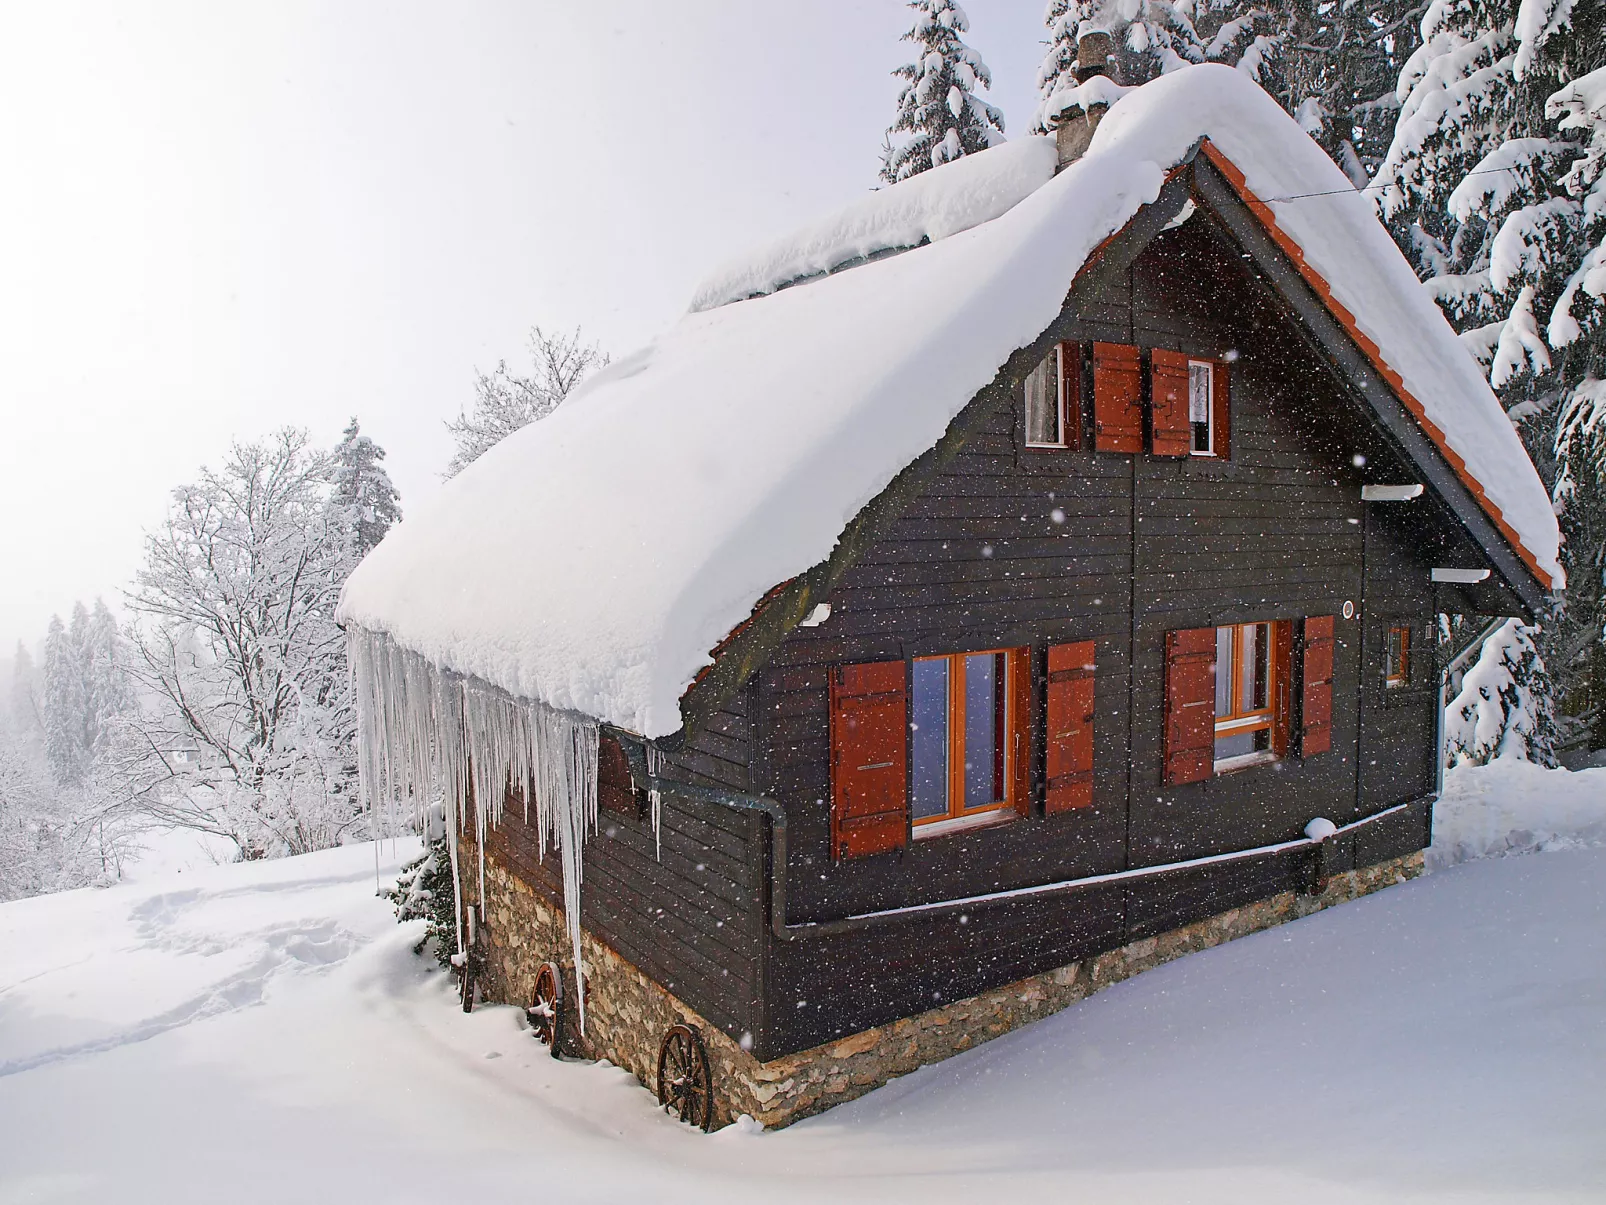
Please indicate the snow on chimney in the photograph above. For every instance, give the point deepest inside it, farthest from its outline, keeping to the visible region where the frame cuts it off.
(1073, 114)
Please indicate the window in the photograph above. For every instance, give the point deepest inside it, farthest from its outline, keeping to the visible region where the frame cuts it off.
(963, 723)
(1247, 697)
(1397, 667)
(1201, 407)
(1051, 400)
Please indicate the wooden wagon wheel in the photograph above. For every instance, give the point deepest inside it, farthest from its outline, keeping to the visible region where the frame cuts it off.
(545, 1013)
(685, 1084)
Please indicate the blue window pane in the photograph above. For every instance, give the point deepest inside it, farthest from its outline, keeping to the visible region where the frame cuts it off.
(984, 729)
(929, 720)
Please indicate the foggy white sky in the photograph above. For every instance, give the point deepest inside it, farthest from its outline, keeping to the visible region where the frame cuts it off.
(216, 220)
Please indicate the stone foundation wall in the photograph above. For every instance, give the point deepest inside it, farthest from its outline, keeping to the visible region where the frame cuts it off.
(627, 1013)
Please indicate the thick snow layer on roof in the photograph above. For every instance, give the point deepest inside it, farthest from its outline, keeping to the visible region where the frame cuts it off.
(592, 560)
(923, 208)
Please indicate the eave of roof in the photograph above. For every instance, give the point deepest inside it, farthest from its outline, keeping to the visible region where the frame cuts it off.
(1268, 220)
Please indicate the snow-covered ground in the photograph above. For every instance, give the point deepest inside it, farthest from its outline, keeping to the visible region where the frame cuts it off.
(263, 1033)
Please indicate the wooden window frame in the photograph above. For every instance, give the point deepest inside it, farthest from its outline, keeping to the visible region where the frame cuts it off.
(1210, 452)
(1397, 671)
(1066, 360)
(1273, 717)
(1017, 681)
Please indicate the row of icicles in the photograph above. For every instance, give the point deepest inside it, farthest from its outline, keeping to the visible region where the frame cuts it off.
(425, 733)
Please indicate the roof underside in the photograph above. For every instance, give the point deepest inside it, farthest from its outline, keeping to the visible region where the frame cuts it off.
(592, 560)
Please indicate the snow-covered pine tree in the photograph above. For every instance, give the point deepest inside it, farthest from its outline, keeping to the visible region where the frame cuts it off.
(1334, 66)
(367, 501)
(29, 837)
(63, 705)
(1577, 332)
(107, 693)
(940, 117)
(23, 716)
(505, 401)
(1487, 186)
(1504, 707)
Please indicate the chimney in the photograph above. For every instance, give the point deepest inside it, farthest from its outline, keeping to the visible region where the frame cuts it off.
(1074, 124)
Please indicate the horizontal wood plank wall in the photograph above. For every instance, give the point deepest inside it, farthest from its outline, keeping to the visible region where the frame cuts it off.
(1399, 725)
(1015, 546)
(693, 917)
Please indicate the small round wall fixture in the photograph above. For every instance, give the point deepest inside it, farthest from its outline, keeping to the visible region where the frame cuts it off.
(1349, 609)
(685, 1084)
(545, 1013)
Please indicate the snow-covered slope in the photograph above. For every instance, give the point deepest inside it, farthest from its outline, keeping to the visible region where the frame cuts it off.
(591, 561)
(263, 1033)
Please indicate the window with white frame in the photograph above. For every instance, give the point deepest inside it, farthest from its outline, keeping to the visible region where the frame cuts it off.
(1201, 408)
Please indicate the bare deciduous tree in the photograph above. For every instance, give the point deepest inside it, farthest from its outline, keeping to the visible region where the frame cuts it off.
(505, 401)
(247, 734)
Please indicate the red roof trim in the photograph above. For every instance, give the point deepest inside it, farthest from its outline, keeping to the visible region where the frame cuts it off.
(1268, 220)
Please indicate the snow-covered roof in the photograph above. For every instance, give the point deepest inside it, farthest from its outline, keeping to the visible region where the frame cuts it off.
(921, 209)
(591, 561)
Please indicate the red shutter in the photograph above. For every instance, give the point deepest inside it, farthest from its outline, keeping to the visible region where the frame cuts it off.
(1190, 705)
(1221, 407)
(1069, 768)
(1168, 395)
(1071, 391)
(1117, 398)
(1316, 713)
(869, 775)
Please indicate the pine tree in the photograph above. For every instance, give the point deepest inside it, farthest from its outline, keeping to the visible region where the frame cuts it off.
(1504, 707)
(367, 502)
(1487, 185)
(1334, 67)
(1577, 332)
(63, 706)
(504, 401)
(106, 691)
(940, 117)
(25, 721)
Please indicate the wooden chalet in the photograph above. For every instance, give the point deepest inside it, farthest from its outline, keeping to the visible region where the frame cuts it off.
(1138, 656)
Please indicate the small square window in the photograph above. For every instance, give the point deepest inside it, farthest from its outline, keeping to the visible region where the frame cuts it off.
(1201, 407)
(1397, 665)
(1045, 403)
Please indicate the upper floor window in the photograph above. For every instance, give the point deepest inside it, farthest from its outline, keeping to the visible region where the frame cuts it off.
(1051, 397)
(1201, 407)
(963, 719)
(1397, 665)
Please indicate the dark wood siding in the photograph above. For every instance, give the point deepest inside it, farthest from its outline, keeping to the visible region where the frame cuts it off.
(1010, 546)
(690, 914)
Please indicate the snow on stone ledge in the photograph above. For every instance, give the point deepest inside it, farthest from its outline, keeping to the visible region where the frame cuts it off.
(930, 206)
(592, 560)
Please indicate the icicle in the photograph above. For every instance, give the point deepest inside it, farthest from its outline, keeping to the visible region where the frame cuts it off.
(424, 731)
(655, 765)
